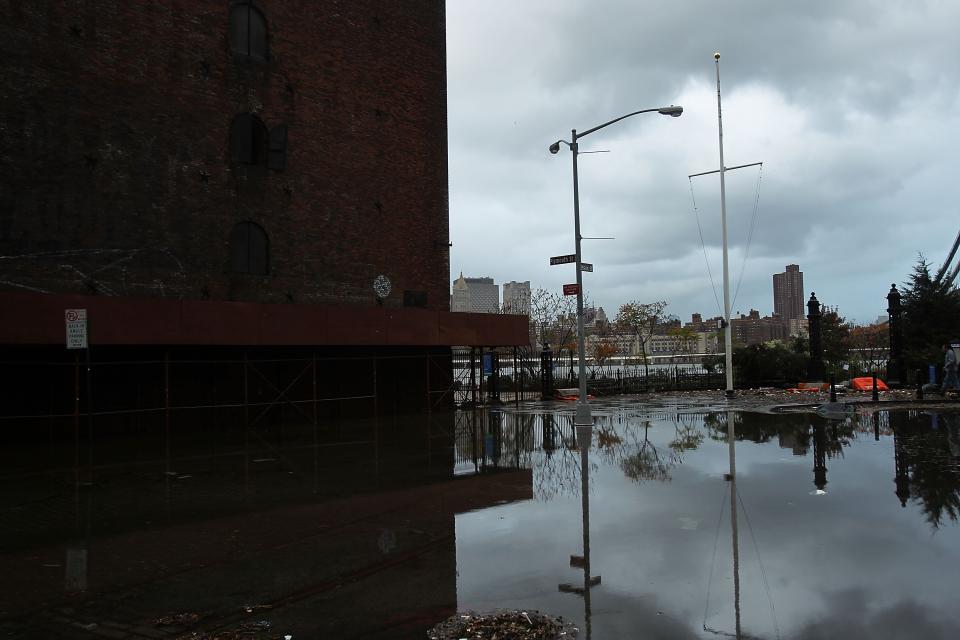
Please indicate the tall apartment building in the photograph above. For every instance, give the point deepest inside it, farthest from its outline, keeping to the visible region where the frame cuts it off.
(788, 294)
(516, 297)
(475, 295)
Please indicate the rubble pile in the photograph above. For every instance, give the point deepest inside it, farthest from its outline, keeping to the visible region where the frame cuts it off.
(503, 625)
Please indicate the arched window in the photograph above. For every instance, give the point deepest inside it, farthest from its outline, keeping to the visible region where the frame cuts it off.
(248, 31)
(248, 139)
(249, 249)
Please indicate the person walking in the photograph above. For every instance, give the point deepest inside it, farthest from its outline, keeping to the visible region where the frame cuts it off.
(950, 382)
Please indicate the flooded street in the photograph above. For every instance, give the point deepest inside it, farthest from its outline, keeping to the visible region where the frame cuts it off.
(383, 528)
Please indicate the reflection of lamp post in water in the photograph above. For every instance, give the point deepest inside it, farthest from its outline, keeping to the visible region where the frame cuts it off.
(819, 458)
(584, 437)
(901, 465)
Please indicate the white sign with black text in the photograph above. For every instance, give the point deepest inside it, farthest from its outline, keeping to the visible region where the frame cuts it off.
(76, 320)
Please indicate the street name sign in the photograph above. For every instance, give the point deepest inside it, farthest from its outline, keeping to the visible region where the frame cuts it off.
(571, 289)
(586, 266)
(76, 320)
(563, 259)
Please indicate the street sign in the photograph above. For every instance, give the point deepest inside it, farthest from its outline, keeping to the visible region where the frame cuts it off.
(76, 320)
(571, 289)
(563, 259)
(586, 266)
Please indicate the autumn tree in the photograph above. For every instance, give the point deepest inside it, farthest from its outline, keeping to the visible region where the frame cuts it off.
(868, 346)
(639, 319)
(834, 338)
(685, 338)
(601, 350)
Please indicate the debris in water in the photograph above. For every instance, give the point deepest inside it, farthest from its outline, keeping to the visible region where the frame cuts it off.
(502, 625)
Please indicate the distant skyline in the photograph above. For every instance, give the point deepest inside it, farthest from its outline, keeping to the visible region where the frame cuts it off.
(851, 106)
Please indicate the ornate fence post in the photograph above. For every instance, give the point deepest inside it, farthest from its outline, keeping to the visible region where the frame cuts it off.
(546, 373)
(815, 371)
(895, 365)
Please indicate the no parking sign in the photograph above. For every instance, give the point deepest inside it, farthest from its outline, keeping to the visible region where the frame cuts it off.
(76, 320)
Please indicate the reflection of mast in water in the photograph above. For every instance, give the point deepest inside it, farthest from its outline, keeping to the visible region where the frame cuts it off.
(731, 477)
(584, 435)
(731, 438)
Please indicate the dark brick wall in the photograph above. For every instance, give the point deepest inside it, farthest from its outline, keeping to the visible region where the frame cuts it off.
(116, 173)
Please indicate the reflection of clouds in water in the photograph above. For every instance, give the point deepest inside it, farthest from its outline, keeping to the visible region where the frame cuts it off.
(652, 542)
(852, 617)
(636, 617)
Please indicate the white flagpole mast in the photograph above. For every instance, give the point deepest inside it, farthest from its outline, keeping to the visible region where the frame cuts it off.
(727, 336)
(728, 329)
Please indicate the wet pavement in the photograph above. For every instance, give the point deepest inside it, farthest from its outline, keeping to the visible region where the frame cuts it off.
(382, 529)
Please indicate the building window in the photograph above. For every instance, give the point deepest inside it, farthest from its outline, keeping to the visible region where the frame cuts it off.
(248, 139)
(415, 299)
(249, 249)
(248, 32)
(277, 153)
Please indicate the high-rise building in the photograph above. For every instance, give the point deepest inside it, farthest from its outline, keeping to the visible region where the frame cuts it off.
(516, 297)
(460, 300)
(475, 295)
(788, 294)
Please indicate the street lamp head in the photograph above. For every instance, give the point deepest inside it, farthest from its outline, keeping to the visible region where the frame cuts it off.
(555, 147)
(672, 111)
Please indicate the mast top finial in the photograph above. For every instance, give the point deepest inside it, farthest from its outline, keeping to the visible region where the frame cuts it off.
(716, 56)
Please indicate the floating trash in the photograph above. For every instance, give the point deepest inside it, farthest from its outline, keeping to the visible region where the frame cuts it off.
(515, 625)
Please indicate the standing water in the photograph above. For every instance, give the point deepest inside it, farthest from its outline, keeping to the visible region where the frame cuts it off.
(843, 529)
(382, 527)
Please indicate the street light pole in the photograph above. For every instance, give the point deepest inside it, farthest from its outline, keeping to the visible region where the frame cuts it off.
(583, 417)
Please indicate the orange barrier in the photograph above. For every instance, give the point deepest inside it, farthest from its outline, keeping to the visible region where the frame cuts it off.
(866, 384)
(813, 386)
(568, 395)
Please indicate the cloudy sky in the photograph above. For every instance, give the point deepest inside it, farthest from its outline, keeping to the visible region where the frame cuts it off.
(853, 106)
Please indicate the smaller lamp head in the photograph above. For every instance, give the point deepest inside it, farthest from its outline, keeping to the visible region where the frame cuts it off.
(555, 147)
(716, 56)
(672, 111)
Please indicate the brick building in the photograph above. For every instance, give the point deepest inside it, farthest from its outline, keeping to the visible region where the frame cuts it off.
(752, 329)
(233, 175)
(788, 302)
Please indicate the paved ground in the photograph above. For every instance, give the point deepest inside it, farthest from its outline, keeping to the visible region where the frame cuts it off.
(772, 400)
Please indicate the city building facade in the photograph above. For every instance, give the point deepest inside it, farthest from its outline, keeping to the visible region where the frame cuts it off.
(516, 297)
(788, 301)
(751, 329)
(475, 295)
(233, 176)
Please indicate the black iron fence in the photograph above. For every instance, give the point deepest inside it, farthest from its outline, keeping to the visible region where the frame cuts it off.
(491, 376)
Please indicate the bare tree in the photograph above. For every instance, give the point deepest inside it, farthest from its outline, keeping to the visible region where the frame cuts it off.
(640, 319)
(553, 318)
